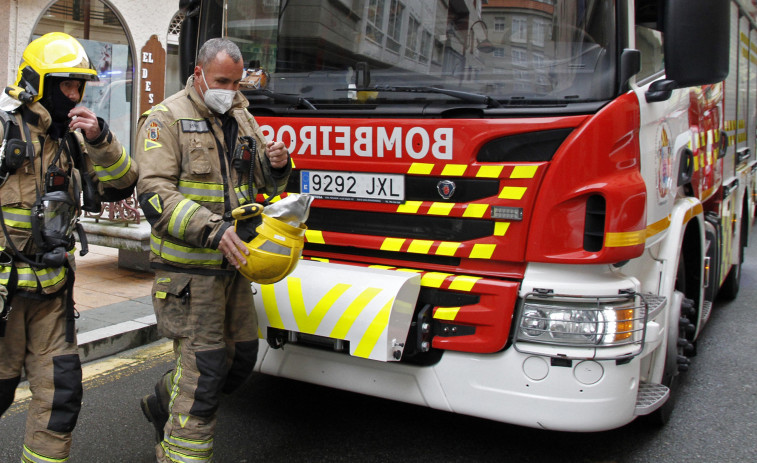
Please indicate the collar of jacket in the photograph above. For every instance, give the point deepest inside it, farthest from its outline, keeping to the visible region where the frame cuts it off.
(240, 101)
(37, 115)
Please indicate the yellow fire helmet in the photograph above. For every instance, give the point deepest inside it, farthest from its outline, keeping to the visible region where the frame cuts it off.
(274, 252)
(55, 54)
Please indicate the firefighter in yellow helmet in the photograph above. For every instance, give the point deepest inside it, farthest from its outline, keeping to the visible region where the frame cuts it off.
(53, 152)
(201, 154)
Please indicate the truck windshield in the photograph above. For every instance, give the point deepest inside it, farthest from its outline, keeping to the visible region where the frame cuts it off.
(401, 52)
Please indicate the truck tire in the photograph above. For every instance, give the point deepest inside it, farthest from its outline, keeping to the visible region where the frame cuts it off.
(675, 355)
(730, 288)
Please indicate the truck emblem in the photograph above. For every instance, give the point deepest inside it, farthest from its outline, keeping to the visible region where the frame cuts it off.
(446, 188)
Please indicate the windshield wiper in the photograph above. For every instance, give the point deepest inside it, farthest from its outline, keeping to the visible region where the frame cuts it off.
(283, 97)
(465, 96)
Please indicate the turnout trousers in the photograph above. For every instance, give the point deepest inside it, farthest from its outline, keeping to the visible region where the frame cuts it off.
(214, 328)
(35, 341)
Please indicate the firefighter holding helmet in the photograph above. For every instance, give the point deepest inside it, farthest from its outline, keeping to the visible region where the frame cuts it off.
(53, 153)
(201, 156)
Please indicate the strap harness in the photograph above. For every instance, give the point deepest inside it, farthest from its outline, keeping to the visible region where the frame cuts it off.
(13, 152)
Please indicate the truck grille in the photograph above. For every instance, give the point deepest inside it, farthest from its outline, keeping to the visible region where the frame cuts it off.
(398, 225)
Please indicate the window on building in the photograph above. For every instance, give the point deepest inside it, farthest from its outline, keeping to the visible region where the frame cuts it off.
(539, 33)
(520, 57)
(394, 29)
(411, 46)
(425, 47)
(520, 29)
(375, 21)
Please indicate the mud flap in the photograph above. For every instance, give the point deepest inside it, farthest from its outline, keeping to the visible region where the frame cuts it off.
(370, 308)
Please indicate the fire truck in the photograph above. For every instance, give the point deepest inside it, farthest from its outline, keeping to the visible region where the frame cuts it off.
(524, 209)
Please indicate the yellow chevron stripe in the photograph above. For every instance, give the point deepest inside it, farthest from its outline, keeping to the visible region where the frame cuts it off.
(308, 322)
(440, 208)
(482, 251)
(523, 172)
(463, 283)
(446, 313)
(455, 170)
(475, 210)
(447, 248)
(489, 171)
(410, 207)
(353, 310)
(392, 244)
(372, 334)
(420, 246)
(420, 168)
(500, 228)
(314, 236)
(409, 270)
(271, 307)
(434, 279)
(512, 192)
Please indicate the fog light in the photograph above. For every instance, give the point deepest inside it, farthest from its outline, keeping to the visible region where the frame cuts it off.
(507, 213)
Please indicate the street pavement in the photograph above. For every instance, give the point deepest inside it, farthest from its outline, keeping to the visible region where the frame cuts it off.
(114, 304)
(275, 419)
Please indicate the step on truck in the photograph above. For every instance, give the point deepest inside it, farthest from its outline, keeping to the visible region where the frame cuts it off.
(524, 209)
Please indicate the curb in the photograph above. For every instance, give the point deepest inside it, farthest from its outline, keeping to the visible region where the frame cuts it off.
(111, 340)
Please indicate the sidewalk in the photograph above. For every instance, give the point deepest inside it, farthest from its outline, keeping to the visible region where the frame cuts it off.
(114, 304)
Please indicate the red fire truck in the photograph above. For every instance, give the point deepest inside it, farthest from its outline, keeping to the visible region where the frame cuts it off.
(524, 209)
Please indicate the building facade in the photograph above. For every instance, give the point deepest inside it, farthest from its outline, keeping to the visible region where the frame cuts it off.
(114, 33)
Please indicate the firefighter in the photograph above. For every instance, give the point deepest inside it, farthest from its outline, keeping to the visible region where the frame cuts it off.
(52, 151)
(203, 155)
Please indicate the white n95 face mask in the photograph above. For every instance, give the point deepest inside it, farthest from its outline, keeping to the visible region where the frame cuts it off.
(217, 99)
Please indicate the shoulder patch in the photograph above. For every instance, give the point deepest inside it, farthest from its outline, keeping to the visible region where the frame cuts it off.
(153, 130)
(190, 125)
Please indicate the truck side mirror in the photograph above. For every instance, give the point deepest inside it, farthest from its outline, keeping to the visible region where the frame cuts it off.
(697, 34)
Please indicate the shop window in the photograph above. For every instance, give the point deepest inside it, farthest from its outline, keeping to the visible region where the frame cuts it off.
(99, 29)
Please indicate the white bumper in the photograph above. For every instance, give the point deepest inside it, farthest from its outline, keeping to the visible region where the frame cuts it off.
(492, 386)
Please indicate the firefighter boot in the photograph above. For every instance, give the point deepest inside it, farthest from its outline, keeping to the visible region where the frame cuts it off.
(154, 406)
(152, 411)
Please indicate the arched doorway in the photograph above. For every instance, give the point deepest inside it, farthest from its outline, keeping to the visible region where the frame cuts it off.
(101, 31)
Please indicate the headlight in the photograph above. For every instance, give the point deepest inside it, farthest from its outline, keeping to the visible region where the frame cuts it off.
(581, 321)
(583, 326)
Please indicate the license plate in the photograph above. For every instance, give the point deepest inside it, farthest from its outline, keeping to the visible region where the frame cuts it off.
(353, 186)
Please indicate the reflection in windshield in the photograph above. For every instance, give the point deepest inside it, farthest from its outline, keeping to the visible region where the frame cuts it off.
(346, 51)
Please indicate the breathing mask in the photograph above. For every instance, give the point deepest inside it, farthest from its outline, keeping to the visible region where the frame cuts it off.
(53, 222)
(217, 99)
